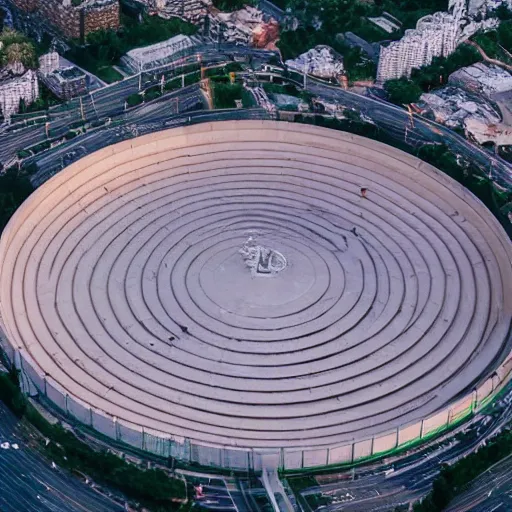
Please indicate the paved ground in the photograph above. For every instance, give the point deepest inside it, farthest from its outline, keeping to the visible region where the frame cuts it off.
(229, 283)
(28, 483)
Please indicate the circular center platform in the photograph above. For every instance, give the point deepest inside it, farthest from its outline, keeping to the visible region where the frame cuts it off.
(232, 283)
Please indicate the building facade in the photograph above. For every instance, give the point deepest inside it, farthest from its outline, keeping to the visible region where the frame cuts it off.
(436, 35)
(15, 89)
(194, 11)
(159, 54)
(74, 19)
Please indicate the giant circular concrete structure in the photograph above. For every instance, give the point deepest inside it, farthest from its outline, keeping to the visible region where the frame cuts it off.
(230, 284)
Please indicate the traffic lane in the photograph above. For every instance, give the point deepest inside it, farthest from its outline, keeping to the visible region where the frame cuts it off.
(28, 482)
(390, 115)
(50, 163)
(485, 488)
(12, 142)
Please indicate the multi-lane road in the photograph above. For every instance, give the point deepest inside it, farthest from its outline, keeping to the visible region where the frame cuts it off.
(29, 482)
(110, 102)
(53, 161)
(397, 123)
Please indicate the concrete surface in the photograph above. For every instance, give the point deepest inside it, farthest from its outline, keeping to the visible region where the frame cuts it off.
(121, 280)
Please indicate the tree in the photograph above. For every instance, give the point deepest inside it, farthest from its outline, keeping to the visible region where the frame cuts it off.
(14, 189)
(402, 91)
(231, 5)
(437, 73)
(503, 12)
(224, 95)
(105, 46)
(505, 35)
(441, 492)
(23, 53)
(16, 50)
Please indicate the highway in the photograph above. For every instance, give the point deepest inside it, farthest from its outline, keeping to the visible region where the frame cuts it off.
(491, 491)
(109, 102)
(53, 161)
(396, 121)
(29, 483)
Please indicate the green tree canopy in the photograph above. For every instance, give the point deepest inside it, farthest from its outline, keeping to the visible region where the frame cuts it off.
(402, 91)
(505, 35)
(16, 48)
(14, 189)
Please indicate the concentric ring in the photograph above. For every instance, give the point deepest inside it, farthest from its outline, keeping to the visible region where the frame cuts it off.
(229, 283)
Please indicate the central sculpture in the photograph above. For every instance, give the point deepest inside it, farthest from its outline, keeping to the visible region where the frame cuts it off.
(261, 260)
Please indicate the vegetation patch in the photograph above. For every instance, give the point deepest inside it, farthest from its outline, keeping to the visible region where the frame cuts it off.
(17, 48)
(232, 5)
(109, 74)
(497, 44)
(15, 187)
(437, 73)
(225, 95)
(288, 89)
(402, 91)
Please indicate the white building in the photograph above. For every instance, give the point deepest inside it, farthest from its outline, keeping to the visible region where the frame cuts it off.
(12, 90)
(482, 6)
(320, 61)
(159, 54)
(194, 11)
(48, 63)
(436, 35)
(482, 79)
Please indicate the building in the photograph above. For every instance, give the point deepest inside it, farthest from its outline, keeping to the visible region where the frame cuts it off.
(48, 62)
(246, 26)
(482, 6)
(66, 83)
(13, 89)
(194, 11)
(73, 18)
(158, 54)
(482, 79)
(386, 22)
(254, 226)
(436, 35)
(321, 61)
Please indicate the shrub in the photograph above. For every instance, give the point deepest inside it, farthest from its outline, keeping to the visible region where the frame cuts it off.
(134, 99)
